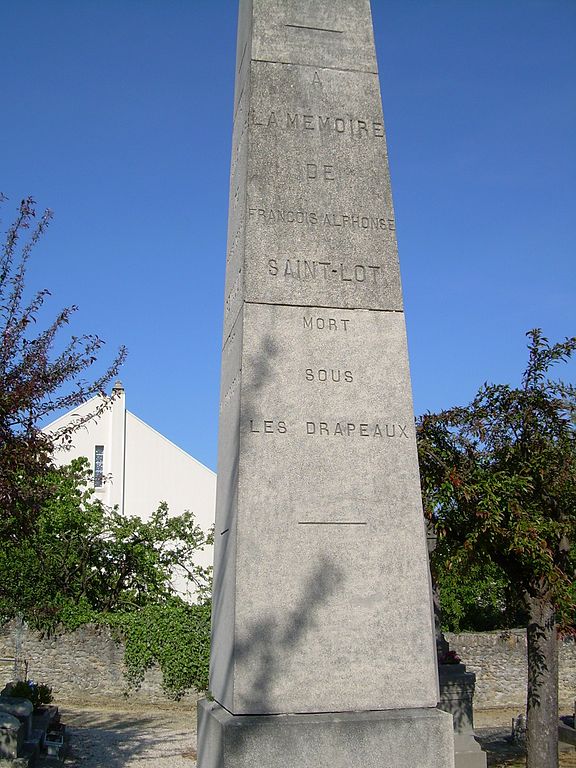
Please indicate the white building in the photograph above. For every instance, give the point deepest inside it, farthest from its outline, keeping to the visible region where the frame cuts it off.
(134, 467)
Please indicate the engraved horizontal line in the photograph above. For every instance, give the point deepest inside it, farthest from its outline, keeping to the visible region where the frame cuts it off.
(323, 306)
(318, 66)
(329, 522)
(314, 29)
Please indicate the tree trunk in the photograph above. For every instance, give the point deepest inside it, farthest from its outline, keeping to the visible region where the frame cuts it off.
(542, 699)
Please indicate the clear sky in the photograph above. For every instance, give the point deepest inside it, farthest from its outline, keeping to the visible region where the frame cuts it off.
(117, 114)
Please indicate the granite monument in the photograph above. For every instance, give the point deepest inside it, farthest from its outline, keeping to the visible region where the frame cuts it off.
(323, 647)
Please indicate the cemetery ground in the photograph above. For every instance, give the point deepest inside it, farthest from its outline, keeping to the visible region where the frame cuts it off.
(130, 734)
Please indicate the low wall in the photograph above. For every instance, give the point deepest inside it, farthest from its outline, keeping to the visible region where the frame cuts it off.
(499, 661)
(88, 664)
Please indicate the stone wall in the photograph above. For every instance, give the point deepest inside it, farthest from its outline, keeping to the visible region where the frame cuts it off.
(499, 661)
(88, 664)
(85, 664)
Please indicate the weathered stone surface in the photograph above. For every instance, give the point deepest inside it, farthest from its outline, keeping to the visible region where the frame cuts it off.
(287, 31)
(86, 664)
(415, 738)
(318, 484)
(456, 697)
(11, 735)
(321, 550)
(321, 596)
(311, 219)
(326, 191)
(468, 752)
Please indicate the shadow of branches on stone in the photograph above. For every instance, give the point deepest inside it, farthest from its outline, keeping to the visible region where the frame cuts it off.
(266, 641)
(263, 646)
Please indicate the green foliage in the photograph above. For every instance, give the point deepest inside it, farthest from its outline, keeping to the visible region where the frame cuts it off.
(66, 559)
(499, 480)
(475, 597)
(81, 563)
(38, 693)
(80, 559)
(175, 635)
(499, 487)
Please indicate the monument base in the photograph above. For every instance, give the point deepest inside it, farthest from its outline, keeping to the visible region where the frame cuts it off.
(456, 697)
(467, 752)
(400, 738)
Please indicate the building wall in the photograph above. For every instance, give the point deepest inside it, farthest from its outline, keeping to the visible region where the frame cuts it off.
(96, 431)
(157, 470)
(141, 466)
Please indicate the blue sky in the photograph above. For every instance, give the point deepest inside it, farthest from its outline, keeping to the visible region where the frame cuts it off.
(117, 114)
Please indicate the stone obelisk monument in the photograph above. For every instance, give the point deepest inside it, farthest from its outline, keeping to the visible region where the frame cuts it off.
(323, 651)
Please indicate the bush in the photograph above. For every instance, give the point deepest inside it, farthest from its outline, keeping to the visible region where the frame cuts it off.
(176, 636)
(38, 693)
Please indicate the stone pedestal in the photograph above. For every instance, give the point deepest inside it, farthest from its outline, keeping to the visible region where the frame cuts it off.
(456, 697)
(409, 738)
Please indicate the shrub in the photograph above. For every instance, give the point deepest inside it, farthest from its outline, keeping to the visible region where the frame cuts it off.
(38, 693)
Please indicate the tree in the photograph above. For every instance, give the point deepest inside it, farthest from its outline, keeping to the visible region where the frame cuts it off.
(66, 559)
(499, 485)
(474, 597)
(81, 558)
(81, 562)
(35, 379)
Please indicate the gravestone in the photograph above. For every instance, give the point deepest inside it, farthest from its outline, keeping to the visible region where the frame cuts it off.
(456, 697)
(23, 709)
(323, 636)
(11, 735)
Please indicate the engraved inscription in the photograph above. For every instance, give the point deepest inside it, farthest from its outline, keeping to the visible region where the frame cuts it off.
(235, 240)
(288, 121)
(347, 220)
(351, 429)
(230, 391)
(329, 271)
(229, 343)
(316, 80)
(268, 426)
(234, 292)
(322, 172)
(326, 323)
(329, 375)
